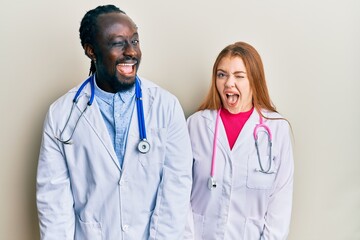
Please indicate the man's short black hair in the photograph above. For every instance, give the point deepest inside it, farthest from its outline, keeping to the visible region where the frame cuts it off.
(88, 23)
(88, 27)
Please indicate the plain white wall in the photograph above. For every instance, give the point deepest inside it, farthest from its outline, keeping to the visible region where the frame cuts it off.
(311, 53)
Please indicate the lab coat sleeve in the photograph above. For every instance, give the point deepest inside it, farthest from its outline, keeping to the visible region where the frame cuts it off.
(173, 198)
(277, 219)
(53, 190)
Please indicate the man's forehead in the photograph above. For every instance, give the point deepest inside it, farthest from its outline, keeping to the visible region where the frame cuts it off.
(107, 19)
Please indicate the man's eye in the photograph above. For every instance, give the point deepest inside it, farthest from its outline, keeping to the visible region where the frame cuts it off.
(119, 44)
(135, 42)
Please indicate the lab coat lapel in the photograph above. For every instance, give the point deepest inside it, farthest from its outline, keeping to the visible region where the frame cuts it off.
(95, 121)
(222, 140)
(134, 134)
(247, 130)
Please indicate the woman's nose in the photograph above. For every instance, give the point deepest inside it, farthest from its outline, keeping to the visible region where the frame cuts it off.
(230, 82)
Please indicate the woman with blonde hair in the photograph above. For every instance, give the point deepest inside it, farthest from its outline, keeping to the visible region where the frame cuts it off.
(243, 161)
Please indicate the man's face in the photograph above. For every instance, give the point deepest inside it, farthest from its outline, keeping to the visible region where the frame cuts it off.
(117, 52)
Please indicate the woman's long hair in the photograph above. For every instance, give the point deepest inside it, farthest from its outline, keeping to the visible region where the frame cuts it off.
(255, 72)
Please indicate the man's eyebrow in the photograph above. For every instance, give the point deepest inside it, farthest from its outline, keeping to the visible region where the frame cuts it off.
(136, 34)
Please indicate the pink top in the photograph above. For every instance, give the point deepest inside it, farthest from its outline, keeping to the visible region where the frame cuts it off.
(233, 123)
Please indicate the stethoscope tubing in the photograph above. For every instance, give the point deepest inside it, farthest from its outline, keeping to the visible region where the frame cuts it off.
(90, 80)
(269, 135)
(143, 146)
(140, 110)
(75, 100)
(212, 171)
(259, 125)
(212, 181)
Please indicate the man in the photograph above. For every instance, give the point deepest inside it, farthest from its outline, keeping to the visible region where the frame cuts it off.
(95, 180)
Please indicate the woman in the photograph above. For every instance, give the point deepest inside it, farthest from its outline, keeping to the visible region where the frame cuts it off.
(241, 190)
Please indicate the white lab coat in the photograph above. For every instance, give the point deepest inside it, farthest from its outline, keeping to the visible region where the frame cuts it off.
(246, 204)
(82, 192)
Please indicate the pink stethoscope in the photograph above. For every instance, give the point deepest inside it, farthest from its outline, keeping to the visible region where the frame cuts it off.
(212, 181)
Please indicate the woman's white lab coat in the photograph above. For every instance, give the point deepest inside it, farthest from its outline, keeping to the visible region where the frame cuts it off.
(246, 204)
(83, 193)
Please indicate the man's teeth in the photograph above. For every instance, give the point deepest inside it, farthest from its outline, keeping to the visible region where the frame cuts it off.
(126, 64)
(126, 68)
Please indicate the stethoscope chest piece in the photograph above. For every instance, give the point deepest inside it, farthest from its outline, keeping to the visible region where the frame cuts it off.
(144, 146)
(211, 183)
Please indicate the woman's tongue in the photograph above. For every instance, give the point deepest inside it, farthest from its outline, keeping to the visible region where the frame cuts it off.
(232, 99)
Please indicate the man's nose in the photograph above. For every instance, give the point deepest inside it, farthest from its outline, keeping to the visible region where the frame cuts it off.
(129, 50)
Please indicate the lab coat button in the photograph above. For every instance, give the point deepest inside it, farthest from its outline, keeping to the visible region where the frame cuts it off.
(125, 228)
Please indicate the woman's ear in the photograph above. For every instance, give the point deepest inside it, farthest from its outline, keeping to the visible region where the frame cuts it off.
(89, 51)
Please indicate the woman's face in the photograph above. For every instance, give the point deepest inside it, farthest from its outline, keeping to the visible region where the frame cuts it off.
(233, 84)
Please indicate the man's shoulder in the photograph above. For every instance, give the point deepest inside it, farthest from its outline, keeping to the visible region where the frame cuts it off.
(66, 99)
(146, 83)
(155, 90)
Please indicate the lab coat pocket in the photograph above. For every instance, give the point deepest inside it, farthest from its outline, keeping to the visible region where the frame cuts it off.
(257, 179)
(198, 226)
(88, 230)
(156, 155)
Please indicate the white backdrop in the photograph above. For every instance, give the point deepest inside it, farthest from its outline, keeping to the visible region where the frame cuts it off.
(311, 53)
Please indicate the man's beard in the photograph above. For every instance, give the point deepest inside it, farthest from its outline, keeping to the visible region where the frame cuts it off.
(122, 86)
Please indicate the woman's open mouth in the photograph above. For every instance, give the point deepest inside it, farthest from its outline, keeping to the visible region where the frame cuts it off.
(232, 98)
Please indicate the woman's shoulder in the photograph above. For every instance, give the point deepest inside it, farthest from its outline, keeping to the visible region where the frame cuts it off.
(276, 119)
(201, 116)
(271, 114)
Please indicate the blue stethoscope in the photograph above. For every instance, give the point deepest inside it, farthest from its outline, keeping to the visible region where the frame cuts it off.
(261, 124)
(143, 146)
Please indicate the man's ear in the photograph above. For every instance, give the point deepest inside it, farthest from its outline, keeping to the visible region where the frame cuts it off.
(89, 51)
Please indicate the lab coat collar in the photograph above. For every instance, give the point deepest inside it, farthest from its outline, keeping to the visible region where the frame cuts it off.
(247, 130)
(210, 116)
(95, 121)
(133, 138)
(147, 104)
(94, 118)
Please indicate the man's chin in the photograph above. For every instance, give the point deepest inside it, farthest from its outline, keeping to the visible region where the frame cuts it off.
(125, 83)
